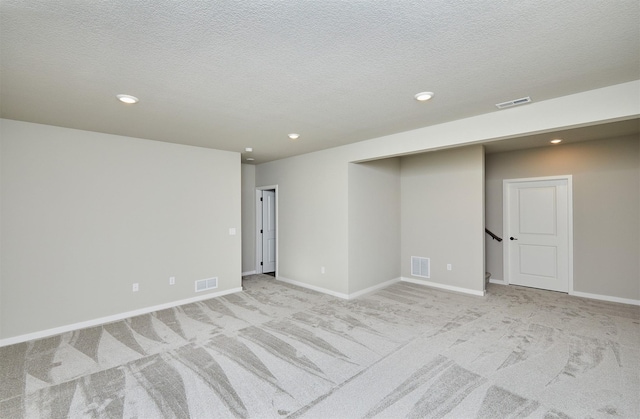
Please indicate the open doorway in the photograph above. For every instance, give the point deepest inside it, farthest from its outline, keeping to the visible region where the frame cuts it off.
(267, 230)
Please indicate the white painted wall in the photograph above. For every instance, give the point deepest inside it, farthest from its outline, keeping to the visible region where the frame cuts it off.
(248, 218)
(374, 223)
(442, 201)
(85, 215)
(606, 209)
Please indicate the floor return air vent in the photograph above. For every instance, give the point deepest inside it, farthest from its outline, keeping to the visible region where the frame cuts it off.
(206, 284)
(420, 267)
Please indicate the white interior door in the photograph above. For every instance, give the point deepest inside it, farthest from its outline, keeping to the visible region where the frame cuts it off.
(537, 229)
(268, 231)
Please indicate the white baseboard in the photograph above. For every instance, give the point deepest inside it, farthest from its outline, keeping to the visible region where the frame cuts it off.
(605, 298)
(110, 319)
(586, 295)
(339, 294)
(443, 286)
(249, 273)
(373, 288)
(313, 287)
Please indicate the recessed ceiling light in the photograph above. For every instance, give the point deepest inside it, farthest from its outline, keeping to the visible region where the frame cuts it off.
(423, 96)
(294, 136)
(128, 99)
(250, 159)
(248, 149)
(556, 141)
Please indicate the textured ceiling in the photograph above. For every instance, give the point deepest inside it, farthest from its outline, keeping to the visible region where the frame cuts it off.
(236, 74)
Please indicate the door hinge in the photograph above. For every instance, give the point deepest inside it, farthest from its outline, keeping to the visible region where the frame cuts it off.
(260, 199)
(260, 231)
(261, 263)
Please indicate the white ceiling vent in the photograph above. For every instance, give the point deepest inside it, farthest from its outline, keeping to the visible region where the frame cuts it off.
(420, 267)
(206, 284)
(514, 102)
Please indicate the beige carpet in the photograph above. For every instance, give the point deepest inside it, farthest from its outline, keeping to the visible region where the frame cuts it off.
(277, 351)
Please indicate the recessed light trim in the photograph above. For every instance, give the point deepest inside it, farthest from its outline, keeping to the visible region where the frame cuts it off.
(423, 96)
(294, 136)
(556, 141)
(128, 99)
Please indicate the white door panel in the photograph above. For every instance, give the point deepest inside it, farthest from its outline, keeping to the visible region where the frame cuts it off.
(537, 210)
(537, 224)
(538, 260)
(268, 231)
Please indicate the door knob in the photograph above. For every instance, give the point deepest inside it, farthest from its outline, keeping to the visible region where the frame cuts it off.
(512, 238)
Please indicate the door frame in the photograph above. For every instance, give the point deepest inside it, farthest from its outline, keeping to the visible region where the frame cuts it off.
(506, 215)
(259, 190)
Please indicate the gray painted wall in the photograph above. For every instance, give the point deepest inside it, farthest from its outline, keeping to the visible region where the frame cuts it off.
(606, 205)
(313, 204)
(430, 204)
(374, 223)
(312, 215)
(443, 215)
(248, 218)
(313, 188)
(85, 215)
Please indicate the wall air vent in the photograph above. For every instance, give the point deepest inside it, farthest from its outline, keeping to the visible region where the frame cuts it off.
(514, 102)
(420, 267)
(206, 284)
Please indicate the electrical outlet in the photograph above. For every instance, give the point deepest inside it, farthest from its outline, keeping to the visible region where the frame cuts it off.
(172, 280)
(448, 266)
(135, 287)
